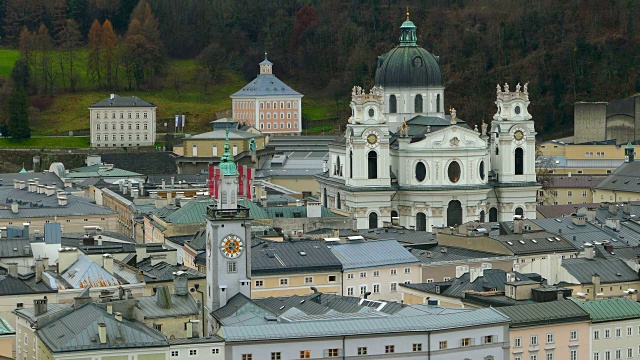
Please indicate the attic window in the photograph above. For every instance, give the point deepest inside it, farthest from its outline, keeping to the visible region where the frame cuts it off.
(557, 238)
(521, 242)
(302, 253)
(510, 243)
(550, 239)
(534, 241)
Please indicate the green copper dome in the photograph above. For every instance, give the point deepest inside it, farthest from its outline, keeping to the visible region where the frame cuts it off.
(629, 146)
(408, 65)
(227, 165)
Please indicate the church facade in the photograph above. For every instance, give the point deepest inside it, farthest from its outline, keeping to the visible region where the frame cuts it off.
(404, 161)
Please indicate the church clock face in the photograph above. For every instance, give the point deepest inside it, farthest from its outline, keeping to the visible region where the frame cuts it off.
(372, 138)
(518, 135)
(231, 246)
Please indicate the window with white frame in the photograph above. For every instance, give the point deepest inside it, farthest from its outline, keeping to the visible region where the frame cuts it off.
(407, 270)
(350, 291)
(175, 353)
(308, 279)
(376, 273)
(363, 290)
(534, 340)
(350, 276)
(259, 283)
(629, 331)
(607, 333)
(618, 332)
(394, 271)
(549, 338)
(193, 352)
(596, 334)
(363, 274)
(549, 355)
(284, 281)
(376, 288)
(517, 342)
(393, 287)
(573, 335)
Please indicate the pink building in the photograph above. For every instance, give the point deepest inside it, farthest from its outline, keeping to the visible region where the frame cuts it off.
(268, 104)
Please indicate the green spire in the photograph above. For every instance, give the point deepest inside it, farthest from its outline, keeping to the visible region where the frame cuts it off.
(629, 146)
(408, 35)
(227, 166)
(23, 171)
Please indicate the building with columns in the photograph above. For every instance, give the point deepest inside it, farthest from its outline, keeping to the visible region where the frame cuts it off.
(268, 104)
(403, 161)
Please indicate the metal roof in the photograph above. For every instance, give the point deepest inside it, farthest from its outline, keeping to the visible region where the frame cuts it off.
(576, 234)
(546, 313)
(292, 257)
(158, 162)
(357, 255)
(538, 242)
(625, 178)
(556, 211)
(52, 308)
(221, 134)
(15, 248)
(574, 181)
(446, 254)
(190, 213)
(611, 309)
(47, 178)
(6, 328)
(181, 305)
(78, 331)
(34, 205)
(85, 273)
(98, 171)
(122, 101)
(266, 85)
(163, 272)
(610, 270)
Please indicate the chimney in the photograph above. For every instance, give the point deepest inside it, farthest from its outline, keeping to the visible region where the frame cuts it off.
(102, 333)
(625, 208)
(560, 296)
(109, 308)
(511, 277)
(156, 259)
(107, 263)
(31, 186)
(141, 252)
(474, 273)
(612, 223)
(591, 214)
(12, 269)
(15, 207)
(40, 189)
(141, 188)
(517, 225)
(607, 246)
(25, 230)
(579, 219)
(66, 257)
(49, 190)
(118, 316)
(589, 251)
(21, 185)
(595, 280)
(164, 184)
(39, 306)
(39, 269)
(173, 181)
(112, 96)
(189, 329)
(180, 283)
(613, 208)
(62, 200)
(163, 297)
(169, 195)
(16, 184)
(335, 233)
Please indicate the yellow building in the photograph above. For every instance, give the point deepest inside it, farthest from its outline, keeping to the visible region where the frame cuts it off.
(623, 184)
(7, 339)
(569, 189)
(595, 158)
(294, 268)
(549, 330)
(247, 148)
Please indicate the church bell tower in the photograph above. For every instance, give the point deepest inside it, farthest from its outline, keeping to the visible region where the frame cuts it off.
(228, 239)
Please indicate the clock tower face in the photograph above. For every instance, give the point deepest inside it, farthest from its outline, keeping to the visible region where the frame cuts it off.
(518, 135)
(231, 246)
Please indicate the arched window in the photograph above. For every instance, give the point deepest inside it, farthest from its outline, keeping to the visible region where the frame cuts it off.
(519, 211)
(372, 164)
(395, 219)
(454, 213)
(493, 214)
(453, 171)
(338, 201)
(421, 222)
(351, 164)
(519, 161)
(393, 106)
(438, 103)
(373, 220)
(324, 197)
(481, 170)
(421, 171)
(418, 103)
(482, 216)
(338, 170)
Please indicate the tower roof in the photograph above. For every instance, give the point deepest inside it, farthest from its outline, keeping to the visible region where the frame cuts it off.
(408, 65)
(629, 146)
(227, 165)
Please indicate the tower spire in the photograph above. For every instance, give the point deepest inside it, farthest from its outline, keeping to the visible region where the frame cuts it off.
(408, 35)
(227, 165)
(407, 13)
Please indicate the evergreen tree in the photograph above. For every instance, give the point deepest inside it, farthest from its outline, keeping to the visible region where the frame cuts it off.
(21, 73)
(18, 109)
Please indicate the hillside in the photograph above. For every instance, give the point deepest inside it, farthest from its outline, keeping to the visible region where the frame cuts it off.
(568, 51)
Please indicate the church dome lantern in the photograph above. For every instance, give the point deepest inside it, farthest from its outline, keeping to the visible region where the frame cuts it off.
(408, 65)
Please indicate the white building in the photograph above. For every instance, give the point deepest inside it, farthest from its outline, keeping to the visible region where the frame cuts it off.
(122, 121)
(403, 161)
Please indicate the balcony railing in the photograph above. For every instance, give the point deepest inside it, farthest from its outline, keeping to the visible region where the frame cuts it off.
(214, 213)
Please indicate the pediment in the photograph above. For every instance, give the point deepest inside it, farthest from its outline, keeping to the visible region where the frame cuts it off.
(451, 137)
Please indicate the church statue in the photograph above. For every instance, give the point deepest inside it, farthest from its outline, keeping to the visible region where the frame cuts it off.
(506, 87)
(518, 87)
(404, 130)
(252, 145)
(526, 85)
(498, 89)
(484, 128)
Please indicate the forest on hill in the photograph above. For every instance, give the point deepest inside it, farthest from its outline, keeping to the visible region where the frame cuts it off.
(568, 51)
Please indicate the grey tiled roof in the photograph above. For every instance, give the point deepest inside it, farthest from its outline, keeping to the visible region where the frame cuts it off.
(556, 211)
(610, 270)
(48, 178)
(266, 85)
(14, 248)
(122, 101)
(435, 254)
(188, 178)
(10, 285)
(292, 257)
(77, 331)
(403, 236)
(545, 313)
(52, 309)
(222, 134)
(574, 181)
(148, 163)
(539, 242)
(579, 234)
(47, 206)
(625, 178)
(365, 254)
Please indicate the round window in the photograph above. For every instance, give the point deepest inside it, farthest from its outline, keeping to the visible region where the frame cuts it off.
(454, 172)
(517, 109)
(371, 112)
(481, 170)
(421, 171)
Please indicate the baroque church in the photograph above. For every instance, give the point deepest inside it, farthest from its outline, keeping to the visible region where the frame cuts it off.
(404, 161)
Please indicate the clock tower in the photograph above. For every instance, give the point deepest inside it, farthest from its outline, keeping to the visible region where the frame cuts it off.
(228, 239)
